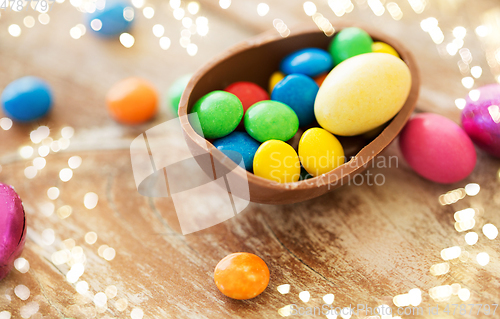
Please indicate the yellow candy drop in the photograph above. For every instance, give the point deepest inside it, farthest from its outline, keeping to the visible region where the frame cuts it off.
(382, 47)
(320, 151)
(275, 78)
(277, 161)
(362, 93)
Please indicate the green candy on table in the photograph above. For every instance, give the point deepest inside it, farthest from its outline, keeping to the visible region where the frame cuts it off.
(175, 92)
(271, 120)
(219, 113)
(348, 43)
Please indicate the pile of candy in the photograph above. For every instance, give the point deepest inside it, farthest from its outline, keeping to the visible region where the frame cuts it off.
(354, 87)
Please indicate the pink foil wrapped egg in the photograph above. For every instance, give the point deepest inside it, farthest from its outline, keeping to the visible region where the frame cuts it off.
(12, 228)
(481, 119)
(437, 148)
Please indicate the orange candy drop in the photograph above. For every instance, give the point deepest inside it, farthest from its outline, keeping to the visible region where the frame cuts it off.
(241, 276)
(132, 101)
(320, 78)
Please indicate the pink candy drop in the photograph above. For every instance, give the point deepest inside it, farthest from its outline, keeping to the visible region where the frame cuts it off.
(437, 148)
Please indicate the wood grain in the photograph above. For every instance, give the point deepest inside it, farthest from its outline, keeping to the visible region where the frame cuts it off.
(363, 244)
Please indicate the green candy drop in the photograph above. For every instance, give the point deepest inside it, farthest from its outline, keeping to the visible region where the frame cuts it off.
(219, 113)
(175, 92)
(348, 43)
(271, 120)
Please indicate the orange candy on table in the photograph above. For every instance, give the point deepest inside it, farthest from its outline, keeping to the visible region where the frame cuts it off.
(241, 276)
(132, 101)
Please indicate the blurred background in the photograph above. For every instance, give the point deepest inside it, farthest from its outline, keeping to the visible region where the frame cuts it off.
(171, 38)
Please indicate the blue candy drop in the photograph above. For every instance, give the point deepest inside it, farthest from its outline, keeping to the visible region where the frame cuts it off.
(241, 143)
(299, 92)
(309, 61)
(27, 99)
(112, 19)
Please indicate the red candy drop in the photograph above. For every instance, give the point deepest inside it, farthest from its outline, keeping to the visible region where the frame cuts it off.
(249, 93)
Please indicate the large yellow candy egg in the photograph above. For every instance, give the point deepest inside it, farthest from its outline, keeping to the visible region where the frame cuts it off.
(320, 151)
(362, 93)
(277, 161)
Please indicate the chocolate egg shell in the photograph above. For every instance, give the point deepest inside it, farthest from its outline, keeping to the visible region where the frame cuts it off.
(255, 60)
(481, 119)
(12, 228)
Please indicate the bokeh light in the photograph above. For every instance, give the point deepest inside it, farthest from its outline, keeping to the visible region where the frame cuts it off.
(44, 18)
(482, 31)
(29, 21)
(14, 30)
(471, 238)
(90, 200)
(129, 14)
(139, 3)
(65, 174)
(53, 193)
(174, 4)
(309, 8)
(192, 49)
(158, 30)
(96, 24)
(262, 9)
(6, 123)
(127, 40)
(193, 7)
(165, 43)
(459, 32)
(179, 13)
(148, 12)
(224, 4)
(483, 259)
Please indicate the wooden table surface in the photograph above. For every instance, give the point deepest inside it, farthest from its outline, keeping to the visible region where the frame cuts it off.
(363, 244)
